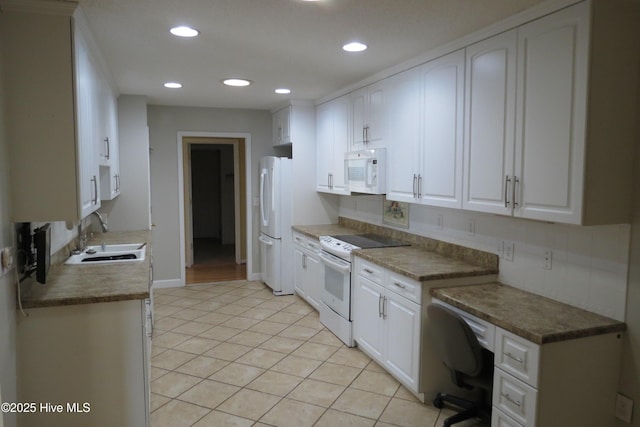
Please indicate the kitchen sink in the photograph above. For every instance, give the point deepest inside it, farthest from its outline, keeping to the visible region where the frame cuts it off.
(109, 254)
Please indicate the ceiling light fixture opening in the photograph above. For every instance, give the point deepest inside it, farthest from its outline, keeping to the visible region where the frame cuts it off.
(285, 91)
(184, 31)
(173, 85)
(354, 47)
(236, 82)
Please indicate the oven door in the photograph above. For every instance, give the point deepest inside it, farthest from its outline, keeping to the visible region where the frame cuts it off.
(336, 292)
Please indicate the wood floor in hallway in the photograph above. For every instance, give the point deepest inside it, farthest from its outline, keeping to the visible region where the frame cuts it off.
(214, 262)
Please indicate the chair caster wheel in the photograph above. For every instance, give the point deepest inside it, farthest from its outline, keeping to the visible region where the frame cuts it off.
(438, 403)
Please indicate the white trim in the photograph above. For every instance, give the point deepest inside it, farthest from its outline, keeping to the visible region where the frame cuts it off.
(254, 276)
(169, 283)
(248, 181)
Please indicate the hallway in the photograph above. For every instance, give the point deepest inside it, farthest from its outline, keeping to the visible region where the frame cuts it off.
(214, 262)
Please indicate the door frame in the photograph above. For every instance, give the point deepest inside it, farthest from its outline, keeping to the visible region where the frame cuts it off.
(186, 226)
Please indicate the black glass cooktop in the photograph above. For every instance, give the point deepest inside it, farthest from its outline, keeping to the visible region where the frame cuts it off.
(370, 240)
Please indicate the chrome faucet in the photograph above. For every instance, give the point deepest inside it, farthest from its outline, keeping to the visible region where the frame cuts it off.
(102, 223)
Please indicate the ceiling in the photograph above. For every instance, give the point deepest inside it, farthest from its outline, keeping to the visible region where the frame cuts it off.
(274, 43)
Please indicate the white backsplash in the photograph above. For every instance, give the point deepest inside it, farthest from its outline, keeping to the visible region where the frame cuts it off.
(588, 265)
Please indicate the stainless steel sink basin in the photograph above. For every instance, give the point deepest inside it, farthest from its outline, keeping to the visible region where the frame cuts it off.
(109, 254)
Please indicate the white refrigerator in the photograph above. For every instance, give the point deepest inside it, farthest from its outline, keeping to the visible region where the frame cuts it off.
(276, 206)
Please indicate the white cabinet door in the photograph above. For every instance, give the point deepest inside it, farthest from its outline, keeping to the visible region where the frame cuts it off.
(368, 117)
(109, 145)
(282, 126)
(87, 92)
(402, 336)
(440, 182)
(550, 126)
(367, 319)
(299, 271)
(403, 102)
(315, 275)
(489, 124)
(332, 141)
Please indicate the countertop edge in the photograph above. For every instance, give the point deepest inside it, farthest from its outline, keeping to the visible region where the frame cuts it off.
(614, 327)
(85, 300)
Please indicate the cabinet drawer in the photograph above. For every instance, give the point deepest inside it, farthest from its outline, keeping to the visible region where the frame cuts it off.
(485, 331)
(404, 286)
(500, 419)
(514, 398)
(306, 242)
(517, 356)
(370, 271)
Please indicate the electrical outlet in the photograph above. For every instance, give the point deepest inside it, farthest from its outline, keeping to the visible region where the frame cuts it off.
(624, 408)
(548, 260)
(508, 250)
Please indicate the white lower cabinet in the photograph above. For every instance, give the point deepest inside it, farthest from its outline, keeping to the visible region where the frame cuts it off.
(308, 272)
(387, 326)
(95, 354)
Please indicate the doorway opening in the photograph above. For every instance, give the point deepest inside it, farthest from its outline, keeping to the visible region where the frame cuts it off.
(214, 209)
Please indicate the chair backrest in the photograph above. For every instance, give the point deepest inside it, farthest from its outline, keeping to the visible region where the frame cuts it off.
(454, 341)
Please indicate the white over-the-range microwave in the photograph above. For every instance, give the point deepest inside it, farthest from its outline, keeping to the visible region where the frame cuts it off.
(365, 171)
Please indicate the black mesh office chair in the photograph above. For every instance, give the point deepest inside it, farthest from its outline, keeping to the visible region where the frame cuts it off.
(470, 365)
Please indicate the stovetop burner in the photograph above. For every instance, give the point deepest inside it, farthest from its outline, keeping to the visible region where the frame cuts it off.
(370, 240)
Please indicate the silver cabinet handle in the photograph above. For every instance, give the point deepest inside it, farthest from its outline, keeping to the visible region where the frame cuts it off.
(419, 186)
(384, 307)
(415, 185)
(515, 402)
(108, 155)
(366, 132)
(312, 245)
(517, 359)
(94, 199)
(366, 270)
(304, 261)
(507, 184)
(380, 306)
(516, 196)
(400, 285)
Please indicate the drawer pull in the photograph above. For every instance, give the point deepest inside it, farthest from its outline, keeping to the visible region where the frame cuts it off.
(311, 245)
(515, 402)
(517, 359)
(400, 285)
(366, 270)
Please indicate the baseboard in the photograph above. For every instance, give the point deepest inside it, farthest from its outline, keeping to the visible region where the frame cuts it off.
(172, 283)
(254, 276)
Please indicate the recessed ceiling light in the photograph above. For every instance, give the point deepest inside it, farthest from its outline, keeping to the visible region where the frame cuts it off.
(173, 85)
(237, 82)
(284, 91)
(184, 31)
(354, 47)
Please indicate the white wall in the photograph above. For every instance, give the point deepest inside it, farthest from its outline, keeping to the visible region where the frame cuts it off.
(130, 210)
(164, 125)
(7, 287)
(589, 264)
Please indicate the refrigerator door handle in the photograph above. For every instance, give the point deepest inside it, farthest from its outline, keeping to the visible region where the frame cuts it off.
(265, 219)
(265, 241)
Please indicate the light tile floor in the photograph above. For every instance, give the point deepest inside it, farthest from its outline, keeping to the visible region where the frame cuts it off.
(233, 354)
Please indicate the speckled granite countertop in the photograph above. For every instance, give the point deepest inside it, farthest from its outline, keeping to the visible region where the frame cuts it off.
(87, 284)
(315, 231)
(422, 265)
(426, 259)
(538, 319)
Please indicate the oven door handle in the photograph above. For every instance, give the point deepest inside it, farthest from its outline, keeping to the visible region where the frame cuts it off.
(335, 265)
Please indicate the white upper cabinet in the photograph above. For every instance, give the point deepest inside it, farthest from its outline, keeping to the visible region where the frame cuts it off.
(490, 124)
(565, 154)
(282, 126)
(55, 138)
(403, 148)
(332, 141)
(550, 124)
(425, 111)
(442, 83)
(368, 117)
(108, 143)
